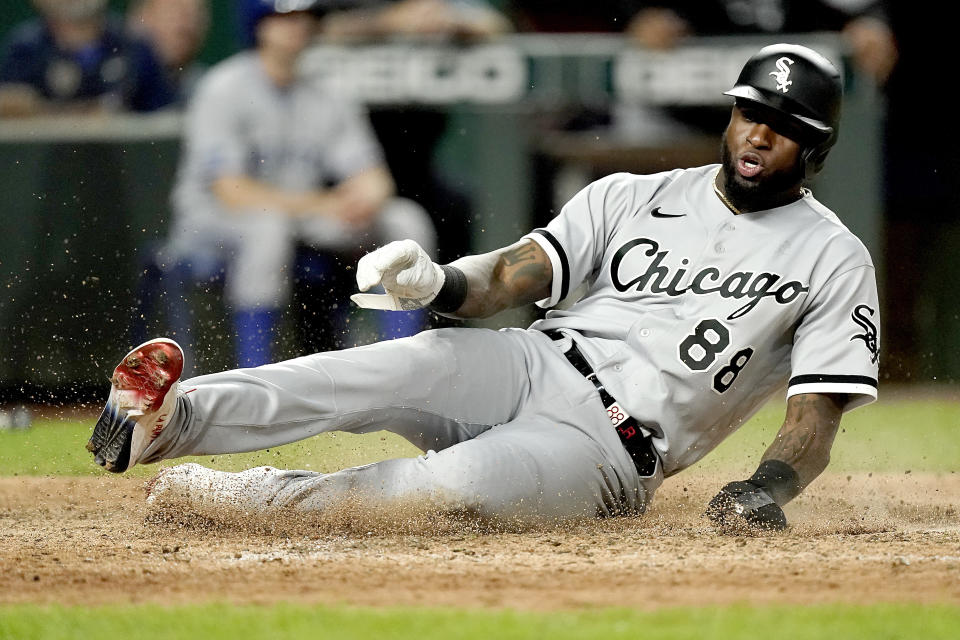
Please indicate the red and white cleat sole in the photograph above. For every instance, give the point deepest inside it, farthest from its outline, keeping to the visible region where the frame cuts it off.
(143, 395)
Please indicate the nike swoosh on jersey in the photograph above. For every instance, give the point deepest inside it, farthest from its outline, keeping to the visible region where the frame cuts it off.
(656, 213)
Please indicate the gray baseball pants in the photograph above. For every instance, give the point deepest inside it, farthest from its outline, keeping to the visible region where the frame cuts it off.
(509, 427)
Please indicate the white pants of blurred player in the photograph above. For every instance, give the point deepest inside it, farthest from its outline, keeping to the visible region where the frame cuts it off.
(255, 251)
(256, 248)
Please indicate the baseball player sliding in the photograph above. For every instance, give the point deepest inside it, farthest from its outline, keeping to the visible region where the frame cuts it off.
(707, 290)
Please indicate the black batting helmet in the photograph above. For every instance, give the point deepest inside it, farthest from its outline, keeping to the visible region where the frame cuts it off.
(801, 84)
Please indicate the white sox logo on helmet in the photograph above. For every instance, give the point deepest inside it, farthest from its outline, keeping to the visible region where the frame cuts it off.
(782, 74)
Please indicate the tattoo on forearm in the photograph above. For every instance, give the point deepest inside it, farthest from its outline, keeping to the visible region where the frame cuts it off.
(504, 279)
(790, 444)
(524, 271)
(796, 434)
(807, 434)
(520, 254)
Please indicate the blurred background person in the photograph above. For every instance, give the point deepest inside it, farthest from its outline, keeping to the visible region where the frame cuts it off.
(177, 30)
(891, 44)
(271, 158)
(78, 58)
(411, 134)
(458, 19)
(663, 25)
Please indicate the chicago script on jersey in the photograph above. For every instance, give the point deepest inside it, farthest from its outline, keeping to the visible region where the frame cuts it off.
(660, 278)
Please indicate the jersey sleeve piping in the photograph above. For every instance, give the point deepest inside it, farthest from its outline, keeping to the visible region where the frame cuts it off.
(558, 258)
(861, 389)
(828, 378)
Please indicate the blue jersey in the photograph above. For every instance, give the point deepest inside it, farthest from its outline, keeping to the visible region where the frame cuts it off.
(118, 71)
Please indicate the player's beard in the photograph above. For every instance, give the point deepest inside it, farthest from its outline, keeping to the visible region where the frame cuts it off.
(772, 190)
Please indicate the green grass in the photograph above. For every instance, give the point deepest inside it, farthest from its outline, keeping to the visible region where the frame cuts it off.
(895, 435)
(222, 622)
(53, 447)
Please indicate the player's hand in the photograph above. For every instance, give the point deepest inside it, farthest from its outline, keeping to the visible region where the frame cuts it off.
(410, 279)
(355, 206)
(744, 506)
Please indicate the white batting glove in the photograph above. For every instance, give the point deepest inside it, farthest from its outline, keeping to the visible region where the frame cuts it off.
(408, 275)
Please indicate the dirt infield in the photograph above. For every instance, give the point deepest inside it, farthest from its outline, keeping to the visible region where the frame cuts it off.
(863, 538)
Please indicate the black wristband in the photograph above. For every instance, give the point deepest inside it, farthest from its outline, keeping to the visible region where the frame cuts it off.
(452, 293)
(779, 479)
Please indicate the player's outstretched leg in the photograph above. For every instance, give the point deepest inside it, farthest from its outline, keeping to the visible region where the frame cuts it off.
(533, 469)
(143, 395)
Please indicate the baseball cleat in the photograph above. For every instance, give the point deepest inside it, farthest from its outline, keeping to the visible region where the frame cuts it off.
(143, 394)
(193, 485)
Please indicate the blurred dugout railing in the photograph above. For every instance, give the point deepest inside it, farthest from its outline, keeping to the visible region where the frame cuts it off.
(84, 198)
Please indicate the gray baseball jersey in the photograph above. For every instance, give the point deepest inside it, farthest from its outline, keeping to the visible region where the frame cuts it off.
(693, 316)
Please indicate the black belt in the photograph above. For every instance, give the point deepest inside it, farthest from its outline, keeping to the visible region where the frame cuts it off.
(639, 446)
